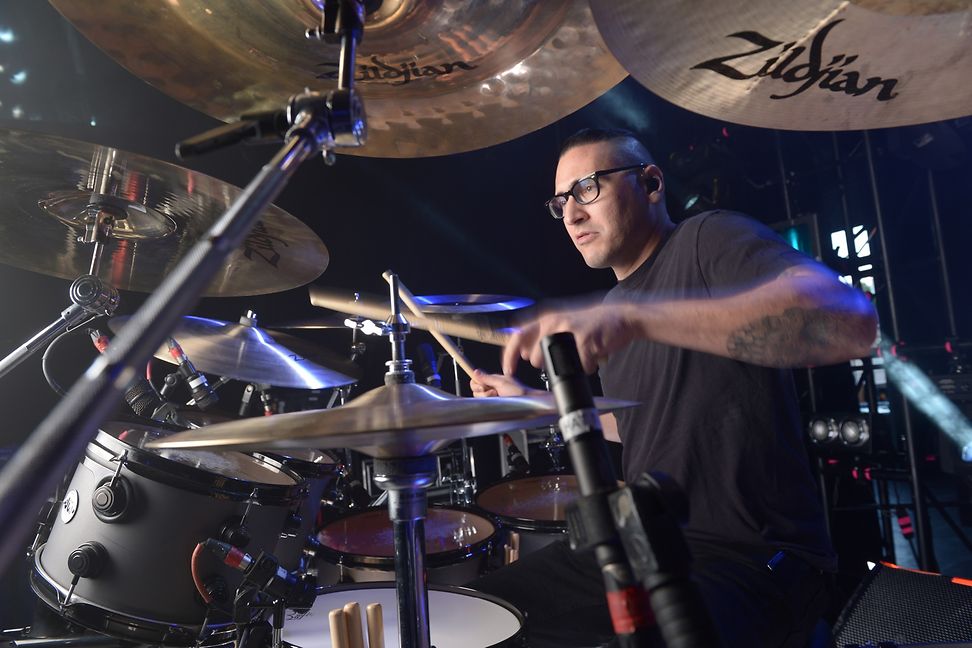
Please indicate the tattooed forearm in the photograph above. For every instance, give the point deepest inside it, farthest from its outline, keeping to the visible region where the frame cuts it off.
(798, 337)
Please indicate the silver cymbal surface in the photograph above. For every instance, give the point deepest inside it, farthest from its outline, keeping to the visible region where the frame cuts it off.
(397, 420)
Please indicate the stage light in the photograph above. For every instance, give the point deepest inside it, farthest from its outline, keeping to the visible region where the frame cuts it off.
(855, 431)
(823, 430)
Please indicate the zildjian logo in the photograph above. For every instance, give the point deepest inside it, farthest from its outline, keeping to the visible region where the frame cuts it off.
(832, 76)
(260, 243)
(399, 75)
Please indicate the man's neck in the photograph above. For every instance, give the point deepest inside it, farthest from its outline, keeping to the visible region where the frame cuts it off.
(651, 245)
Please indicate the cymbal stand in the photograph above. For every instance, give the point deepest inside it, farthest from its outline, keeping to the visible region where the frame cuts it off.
(312, 122)
(554, 444)
(464, 488)
(406, 481)
(90, 297)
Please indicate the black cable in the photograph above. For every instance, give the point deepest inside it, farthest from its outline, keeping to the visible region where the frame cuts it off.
(60, 391)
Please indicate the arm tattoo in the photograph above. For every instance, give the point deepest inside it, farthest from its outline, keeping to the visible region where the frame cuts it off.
(798, 337)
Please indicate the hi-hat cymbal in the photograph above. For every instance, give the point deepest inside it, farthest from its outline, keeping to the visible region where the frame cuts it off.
(397, 420)
(255, 355)
(436, 77)
(823, 65)
(52, 184)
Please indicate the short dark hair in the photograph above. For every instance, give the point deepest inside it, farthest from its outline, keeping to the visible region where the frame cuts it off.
(633, 143)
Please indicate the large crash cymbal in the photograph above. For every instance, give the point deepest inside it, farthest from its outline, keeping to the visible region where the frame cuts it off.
(246, 352)
(802, 64)
(397, 420)
(436, 77)
(51, 185)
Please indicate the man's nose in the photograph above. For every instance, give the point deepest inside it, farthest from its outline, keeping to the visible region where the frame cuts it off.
(574, 212)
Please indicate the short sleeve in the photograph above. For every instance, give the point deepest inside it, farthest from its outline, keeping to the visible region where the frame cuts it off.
(736, 252)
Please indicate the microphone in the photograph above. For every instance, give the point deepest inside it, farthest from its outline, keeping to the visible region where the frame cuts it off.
(267, 574)
(140, 395)
(519, 466)
(429, 365)
(202, 394)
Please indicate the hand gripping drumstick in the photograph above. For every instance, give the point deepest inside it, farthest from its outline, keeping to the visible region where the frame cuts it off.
(409, 299)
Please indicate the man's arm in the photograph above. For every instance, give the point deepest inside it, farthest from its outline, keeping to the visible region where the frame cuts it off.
(803, 317)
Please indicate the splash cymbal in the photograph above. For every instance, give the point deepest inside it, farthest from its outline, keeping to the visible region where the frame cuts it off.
(52, 185)
(245, 352)
(397, 420)
(436, 78)
(824, 65)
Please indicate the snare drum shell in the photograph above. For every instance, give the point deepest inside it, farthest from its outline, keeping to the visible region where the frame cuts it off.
(147, 574)
(359, 548)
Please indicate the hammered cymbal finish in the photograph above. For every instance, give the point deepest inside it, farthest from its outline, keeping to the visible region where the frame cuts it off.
(437, 76)
(52, 184)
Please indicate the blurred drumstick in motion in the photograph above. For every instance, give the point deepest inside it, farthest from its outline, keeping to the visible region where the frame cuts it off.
(376, 626)
(352, 613)
(375, 309)
(338, 620)
(409, 300)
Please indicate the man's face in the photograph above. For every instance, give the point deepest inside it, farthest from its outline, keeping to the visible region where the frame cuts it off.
(611, 231)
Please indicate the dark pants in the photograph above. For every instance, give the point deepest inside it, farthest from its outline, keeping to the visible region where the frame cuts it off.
(562, 595)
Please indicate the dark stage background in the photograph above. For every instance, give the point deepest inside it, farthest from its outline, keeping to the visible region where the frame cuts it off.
(475, 222)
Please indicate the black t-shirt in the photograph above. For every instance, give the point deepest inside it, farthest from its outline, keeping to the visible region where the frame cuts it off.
(728, 432)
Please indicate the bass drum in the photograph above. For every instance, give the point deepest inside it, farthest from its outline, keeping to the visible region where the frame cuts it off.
(457, 617)
(535, 507)
(130, 520)
(361, 547)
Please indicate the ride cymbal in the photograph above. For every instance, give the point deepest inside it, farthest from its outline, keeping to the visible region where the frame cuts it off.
(436, 77)
(397, 420)
(805, 65)
(52, 186)
(245, 352)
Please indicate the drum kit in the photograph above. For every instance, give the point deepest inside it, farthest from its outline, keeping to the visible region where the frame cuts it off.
(177, 532)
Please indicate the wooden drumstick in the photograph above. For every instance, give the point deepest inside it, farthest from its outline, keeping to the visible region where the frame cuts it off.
(376, 626)
(373, 309)
(355, 636)
(338, 620)
(409, 299)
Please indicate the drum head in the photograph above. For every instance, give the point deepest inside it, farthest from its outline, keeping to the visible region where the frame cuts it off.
(531, 501)
(457, 617)
(235, 465)
(369, 533)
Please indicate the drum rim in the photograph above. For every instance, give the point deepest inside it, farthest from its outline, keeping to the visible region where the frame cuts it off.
(99, 618)
(179, 475)
(301, 467)
(433, 560)
(520, 523)
(453, 589)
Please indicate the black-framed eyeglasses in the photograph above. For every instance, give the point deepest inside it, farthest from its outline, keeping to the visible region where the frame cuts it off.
(585, 190)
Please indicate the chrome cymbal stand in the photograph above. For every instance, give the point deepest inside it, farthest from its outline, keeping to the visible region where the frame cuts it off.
(464, 488)
(312, 122)
(406, 481)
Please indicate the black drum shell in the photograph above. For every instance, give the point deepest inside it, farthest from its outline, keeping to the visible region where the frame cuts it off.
(147, 576)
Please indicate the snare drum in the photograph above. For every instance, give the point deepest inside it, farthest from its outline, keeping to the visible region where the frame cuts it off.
(535, 507)
(457, 617)
(361, 547)
(136, 536)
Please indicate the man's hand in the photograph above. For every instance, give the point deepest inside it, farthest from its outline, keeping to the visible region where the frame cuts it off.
(485, 384)
(598, 331)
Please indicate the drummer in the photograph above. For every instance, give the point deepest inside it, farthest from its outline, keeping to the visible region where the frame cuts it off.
(703, 323)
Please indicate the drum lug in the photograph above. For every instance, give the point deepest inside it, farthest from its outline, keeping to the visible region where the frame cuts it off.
(234, 532)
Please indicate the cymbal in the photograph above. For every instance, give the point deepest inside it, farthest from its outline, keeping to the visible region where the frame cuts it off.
(826, 65)
(436, 78)
(397, 420)
(52, 184)
(376, 308)
(471, 304)
(255, 355)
